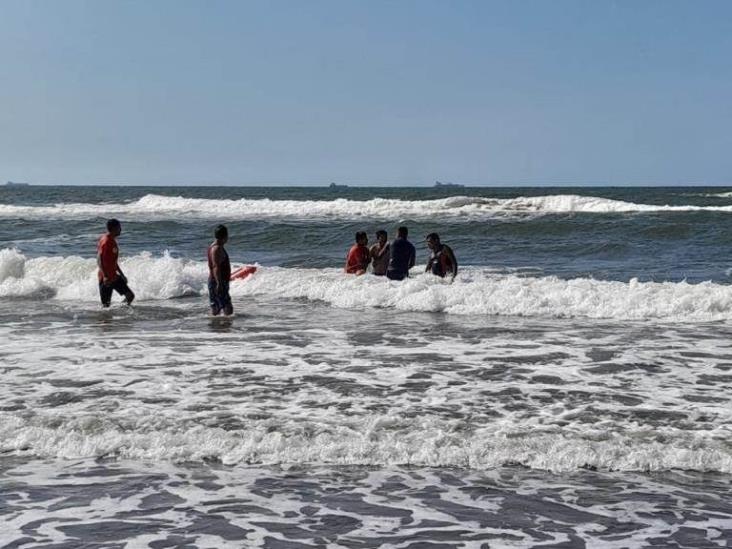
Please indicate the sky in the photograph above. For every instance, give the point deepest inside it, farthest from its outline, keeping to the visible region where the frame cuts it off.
(402, 92)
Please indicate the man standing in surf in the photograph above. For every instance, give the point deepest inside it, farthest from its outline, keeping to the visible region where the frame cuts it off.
(442, 259)
(358, 258)
(402, 256)
(380, 253)
(219, 273)
(111, 277)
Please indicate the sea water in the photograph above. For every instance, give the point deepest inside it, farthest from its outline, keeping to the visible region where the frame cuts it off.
(572, 387)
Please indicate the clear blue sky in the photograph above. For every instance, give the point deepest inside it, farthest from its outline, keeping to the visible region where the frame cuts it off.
(370, 92)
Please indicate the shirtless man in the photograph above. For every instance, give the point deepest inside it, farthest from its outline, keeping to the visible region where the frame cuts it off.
(442, 260)
(380, 254)
(111, 277)
(219, 273)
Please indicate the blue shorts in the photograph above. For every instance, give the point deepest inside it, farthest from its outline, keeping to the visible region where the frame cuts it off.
(396, 275)
(218, 300)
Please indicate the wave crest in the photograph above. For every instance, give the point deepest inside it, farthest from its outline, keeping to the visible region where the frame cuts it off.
(75, 278)
(376, 440)
(154, 206)
(477, 291)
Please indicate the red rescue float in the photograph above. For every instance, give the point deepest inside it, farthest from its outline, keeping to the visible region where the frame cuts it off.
(243, 272)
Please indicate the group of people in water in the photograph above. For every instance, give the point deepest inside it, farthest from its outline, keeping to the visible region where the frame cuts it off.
(390, 259)
(394, 259)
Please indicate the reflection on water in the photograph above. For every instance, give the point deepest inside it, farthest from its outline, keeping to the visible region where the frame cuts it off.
(221, 324)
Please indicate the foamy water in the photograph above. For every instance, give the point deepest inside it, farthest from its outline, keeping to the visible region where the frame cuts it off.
(345, 392)
(477, 291)
(309, 412)
(215, 507)
(469, 208)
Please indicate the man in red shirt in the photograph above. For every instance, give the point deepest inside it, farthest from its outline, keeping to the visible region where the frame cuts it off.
(358, 258)
(111, 276)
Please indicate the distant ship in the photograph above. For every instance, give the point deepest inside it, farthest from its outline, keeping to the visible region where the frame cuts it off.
(14, 184)
(440, 185)
(335, 186)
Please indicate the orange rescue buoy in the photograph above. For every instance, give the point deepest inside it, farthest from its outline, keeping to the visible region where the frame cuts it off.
(243, 272)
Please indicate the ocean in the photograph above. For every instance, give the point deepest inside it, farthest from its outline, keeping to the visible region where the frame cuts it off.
(571, 388)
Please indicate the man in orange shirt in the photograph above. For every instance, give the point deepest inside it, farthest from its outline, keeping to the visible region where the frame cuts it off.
(358, 258)
(111, 276)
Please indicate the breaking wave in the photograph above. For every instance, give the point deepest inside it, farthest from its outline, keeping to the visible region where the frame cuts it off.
(375, 440)
(477, 291)
(153, 206)
(75, 278)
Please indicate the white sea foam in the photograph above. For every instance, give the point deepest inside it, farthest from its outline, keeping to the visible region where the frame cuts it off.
(280, 386)
(477, 291)
(294, 394)
(459, 207)
(481, 292)
(374, 440)
(73, 277)
(11, 264)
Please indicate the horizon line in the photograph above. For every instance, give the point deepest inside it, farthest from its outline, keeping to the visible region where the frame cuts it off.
(344, 186)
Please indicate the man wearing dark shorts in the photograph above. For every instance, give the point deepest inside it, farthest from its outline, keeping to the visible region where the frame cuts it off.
(402, 258)
(111, 277)
(219, 273)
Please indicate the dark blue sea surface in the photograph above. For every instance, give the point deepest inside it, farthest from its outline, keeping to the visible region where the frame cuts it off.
(655, 245)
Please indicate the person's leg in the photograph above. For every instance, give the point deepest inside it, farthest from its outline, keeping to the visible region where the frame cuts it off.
(129, 296)
(226, 305)
(105, 294)
(213, 299)
(121, 287)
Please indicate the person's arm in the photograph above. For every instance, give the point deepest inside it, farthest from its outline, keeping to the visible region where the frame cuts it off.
(118, 270)
(412, 257)
(218, 259)
(377, 253)
(349, 262)
(453, 261)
